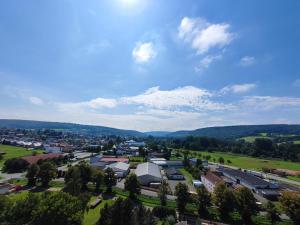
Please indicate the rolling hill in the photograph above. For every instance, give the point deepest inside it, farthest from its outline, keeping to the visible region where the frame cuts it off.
(233, 132)
(228, 132)
(88, 129)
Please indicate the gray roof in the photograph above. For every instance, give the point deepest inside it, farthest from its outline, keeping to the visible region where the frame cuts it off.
(119, 166)
(246, 177)
(148, 169)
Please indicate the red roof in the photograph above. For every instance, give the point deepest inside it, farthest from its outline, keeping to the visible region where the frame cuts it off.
(213, 178)
(112, 160)
(34, 159)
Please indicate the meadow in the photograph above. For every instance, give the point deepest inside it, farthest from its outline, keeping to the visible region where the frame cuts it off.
(15, 152)
(247, 162)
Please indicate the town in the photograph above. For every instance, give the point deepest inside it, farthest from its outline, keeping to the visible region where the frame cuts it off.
(148, 172)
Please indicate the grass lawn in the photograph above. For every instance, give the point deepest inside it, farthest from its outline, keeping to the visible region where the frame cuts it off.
(15, 152)
(136, 159)
(248, 162)
(187, 175)
(297, 142)
(93, 215)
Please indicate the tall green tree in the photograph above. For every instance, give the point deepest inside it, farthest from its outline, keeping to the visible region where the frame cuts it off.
(132, 185)
(182, 194)
(203, 200)
(164, 189)
(246, 204)
(58, 208)
(73, 181)
(98, 178)
(47, 173)
(85, 174)
(109, 179)
(224, 199)
(290, 202)
(32, 173)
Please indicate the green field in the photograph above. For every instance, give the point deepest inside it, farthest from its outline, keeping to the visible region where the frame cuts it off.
(251, 139)
(248, 162)
(15, 152)
(93, 215)
(297, 142)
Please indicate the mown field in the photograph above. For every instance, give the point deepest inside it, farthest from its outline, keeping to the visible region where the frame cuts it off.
(248, 162)
(92, 215)
(15, 152)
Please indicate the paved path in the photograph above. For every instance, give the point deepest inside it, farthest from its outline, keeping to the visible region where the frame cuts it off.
(7, 176)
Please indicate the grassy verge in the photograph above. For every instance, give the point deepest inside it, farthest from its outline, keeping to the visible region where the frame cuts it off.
(294, 178)
(187, 175)
(15, 152)
(93, 215)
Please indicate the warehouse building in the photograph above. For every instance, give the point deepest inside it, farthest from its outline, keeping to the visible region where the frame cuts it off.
(148, 173)
(121, 169)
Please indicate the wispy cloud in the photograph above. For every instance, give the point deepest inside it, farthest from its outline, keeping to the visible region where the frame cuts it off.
(297, 83)
(238, 88)
(204, 36)
(143, 52)
(206, 62)
(247, 61)
(36, 100)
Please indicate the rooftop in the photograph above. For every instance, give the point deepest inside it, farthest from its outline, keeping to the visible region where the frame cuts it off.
(213, 178)
(148, 169)
(34, 159)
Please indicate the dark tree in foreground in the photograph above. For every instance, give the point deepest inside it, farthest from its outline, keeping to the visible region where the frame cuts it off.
(109, 179)
(47, 173)
(32, 173)
(224, 199)
(132, 185)
(98, 178)
(246, 204)
(182, 194)
(272, 212)
(203, 200)
(163, 191)
(290, 202)
(85, 174)
(124, 212)
(47, 208)
(73, 181)
(15, 165)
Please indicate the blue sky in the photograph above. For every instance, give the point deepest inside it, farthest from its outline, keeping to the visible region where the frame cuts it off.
(151, 64)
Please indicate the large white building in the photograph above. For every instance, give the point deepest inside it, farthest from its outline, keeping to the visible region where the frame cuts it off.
(148, 173)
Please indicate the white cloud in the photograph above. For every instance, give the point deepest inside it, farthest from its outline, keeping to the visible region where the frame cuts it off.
(206, 62)
(96, 103)
(238, 88)
(204, 36)
(144, 52)
(247, 61)
(188, 96)
(269, 102)
(36, 100)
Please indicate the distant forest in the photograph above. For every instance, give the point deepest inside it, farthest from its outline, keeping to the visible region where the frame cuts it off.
(261, 147)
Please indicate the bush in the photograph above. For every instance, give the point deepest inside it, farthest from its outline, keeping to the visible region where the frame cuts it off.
(15, 165)
(163, 212)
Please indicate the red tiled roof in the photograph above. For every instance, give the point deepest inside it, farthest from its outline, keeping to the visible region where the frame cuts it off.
(213, 178)
(34, 159)
(111, 159)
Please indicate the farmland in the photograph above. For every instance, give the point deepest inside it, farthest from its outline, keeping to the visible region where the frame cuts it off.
(14, 152)
(248, 162)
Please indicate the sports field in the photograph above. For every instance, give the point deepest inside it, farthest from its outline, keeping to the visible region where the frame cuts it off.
(15, 152)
